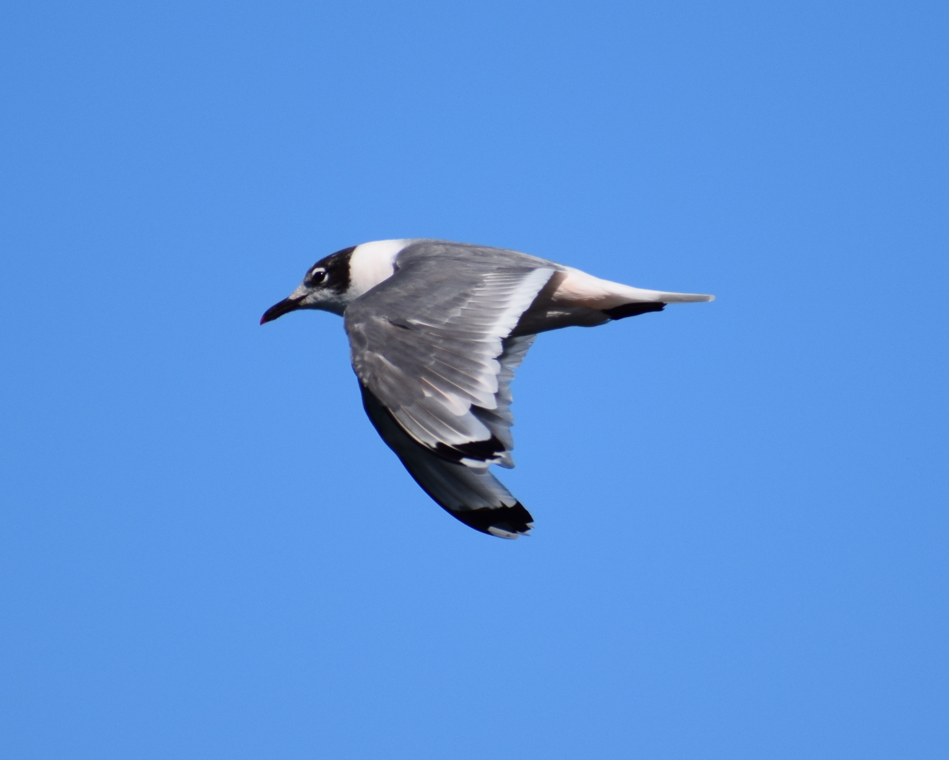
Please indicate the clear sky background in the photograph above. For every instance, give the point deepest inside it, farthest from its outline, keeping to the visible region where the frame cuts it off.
(741, 541)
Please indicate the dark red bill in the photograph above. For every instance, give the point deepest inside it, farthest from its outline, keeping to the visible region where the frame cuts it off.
(279, 309)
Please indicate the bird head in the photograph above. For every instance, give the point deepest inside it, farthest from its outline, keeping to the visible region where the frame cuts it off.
(325, 286)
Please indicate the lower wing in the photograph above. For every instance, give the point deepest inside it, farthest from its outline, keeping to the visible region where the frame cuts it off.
(473, 495)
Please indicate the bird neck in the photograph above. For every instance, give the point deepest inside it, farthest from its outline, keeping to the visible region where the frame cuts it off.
(372, 263)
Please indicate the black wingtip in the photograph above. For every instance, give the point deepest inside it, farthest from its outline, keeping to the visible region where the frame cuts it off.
(633, 309)
(481, 451)
(503, 522)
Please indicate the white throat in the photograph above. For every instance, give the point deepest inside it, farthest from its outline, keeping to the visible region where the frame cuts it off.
(372, 263)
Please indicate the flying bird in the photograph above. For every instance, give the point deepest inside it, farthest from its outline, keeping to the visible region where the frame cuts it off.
(436, 331)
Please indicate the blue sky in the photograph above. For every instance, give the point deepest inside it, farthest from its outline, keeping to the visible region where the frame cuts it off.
(741, 535)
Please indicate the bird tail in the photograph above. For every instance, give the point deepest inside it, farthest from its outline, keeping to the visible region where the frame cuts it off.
(642, 301)
(576, 288)
(641, 295)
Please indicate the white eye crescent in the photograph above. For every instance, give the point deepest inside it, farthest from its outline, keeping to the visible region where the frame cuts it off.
(316, 276)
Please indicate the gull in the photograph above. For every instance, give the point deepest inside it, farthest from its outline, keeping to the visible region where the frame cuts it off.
(436, 330)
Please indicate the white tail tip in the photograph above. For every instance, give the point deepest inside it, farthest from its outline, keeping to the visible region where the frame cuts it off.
(686, 297)
(654, 296)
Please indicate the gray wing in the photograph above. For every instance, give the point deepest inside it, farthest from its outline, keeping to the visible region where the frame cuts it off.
(428, 344)
(432, 351)
(473, 495)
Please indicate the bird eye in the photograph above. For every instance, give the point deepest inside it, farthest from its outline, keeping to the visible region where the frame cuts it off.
(316, 277)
